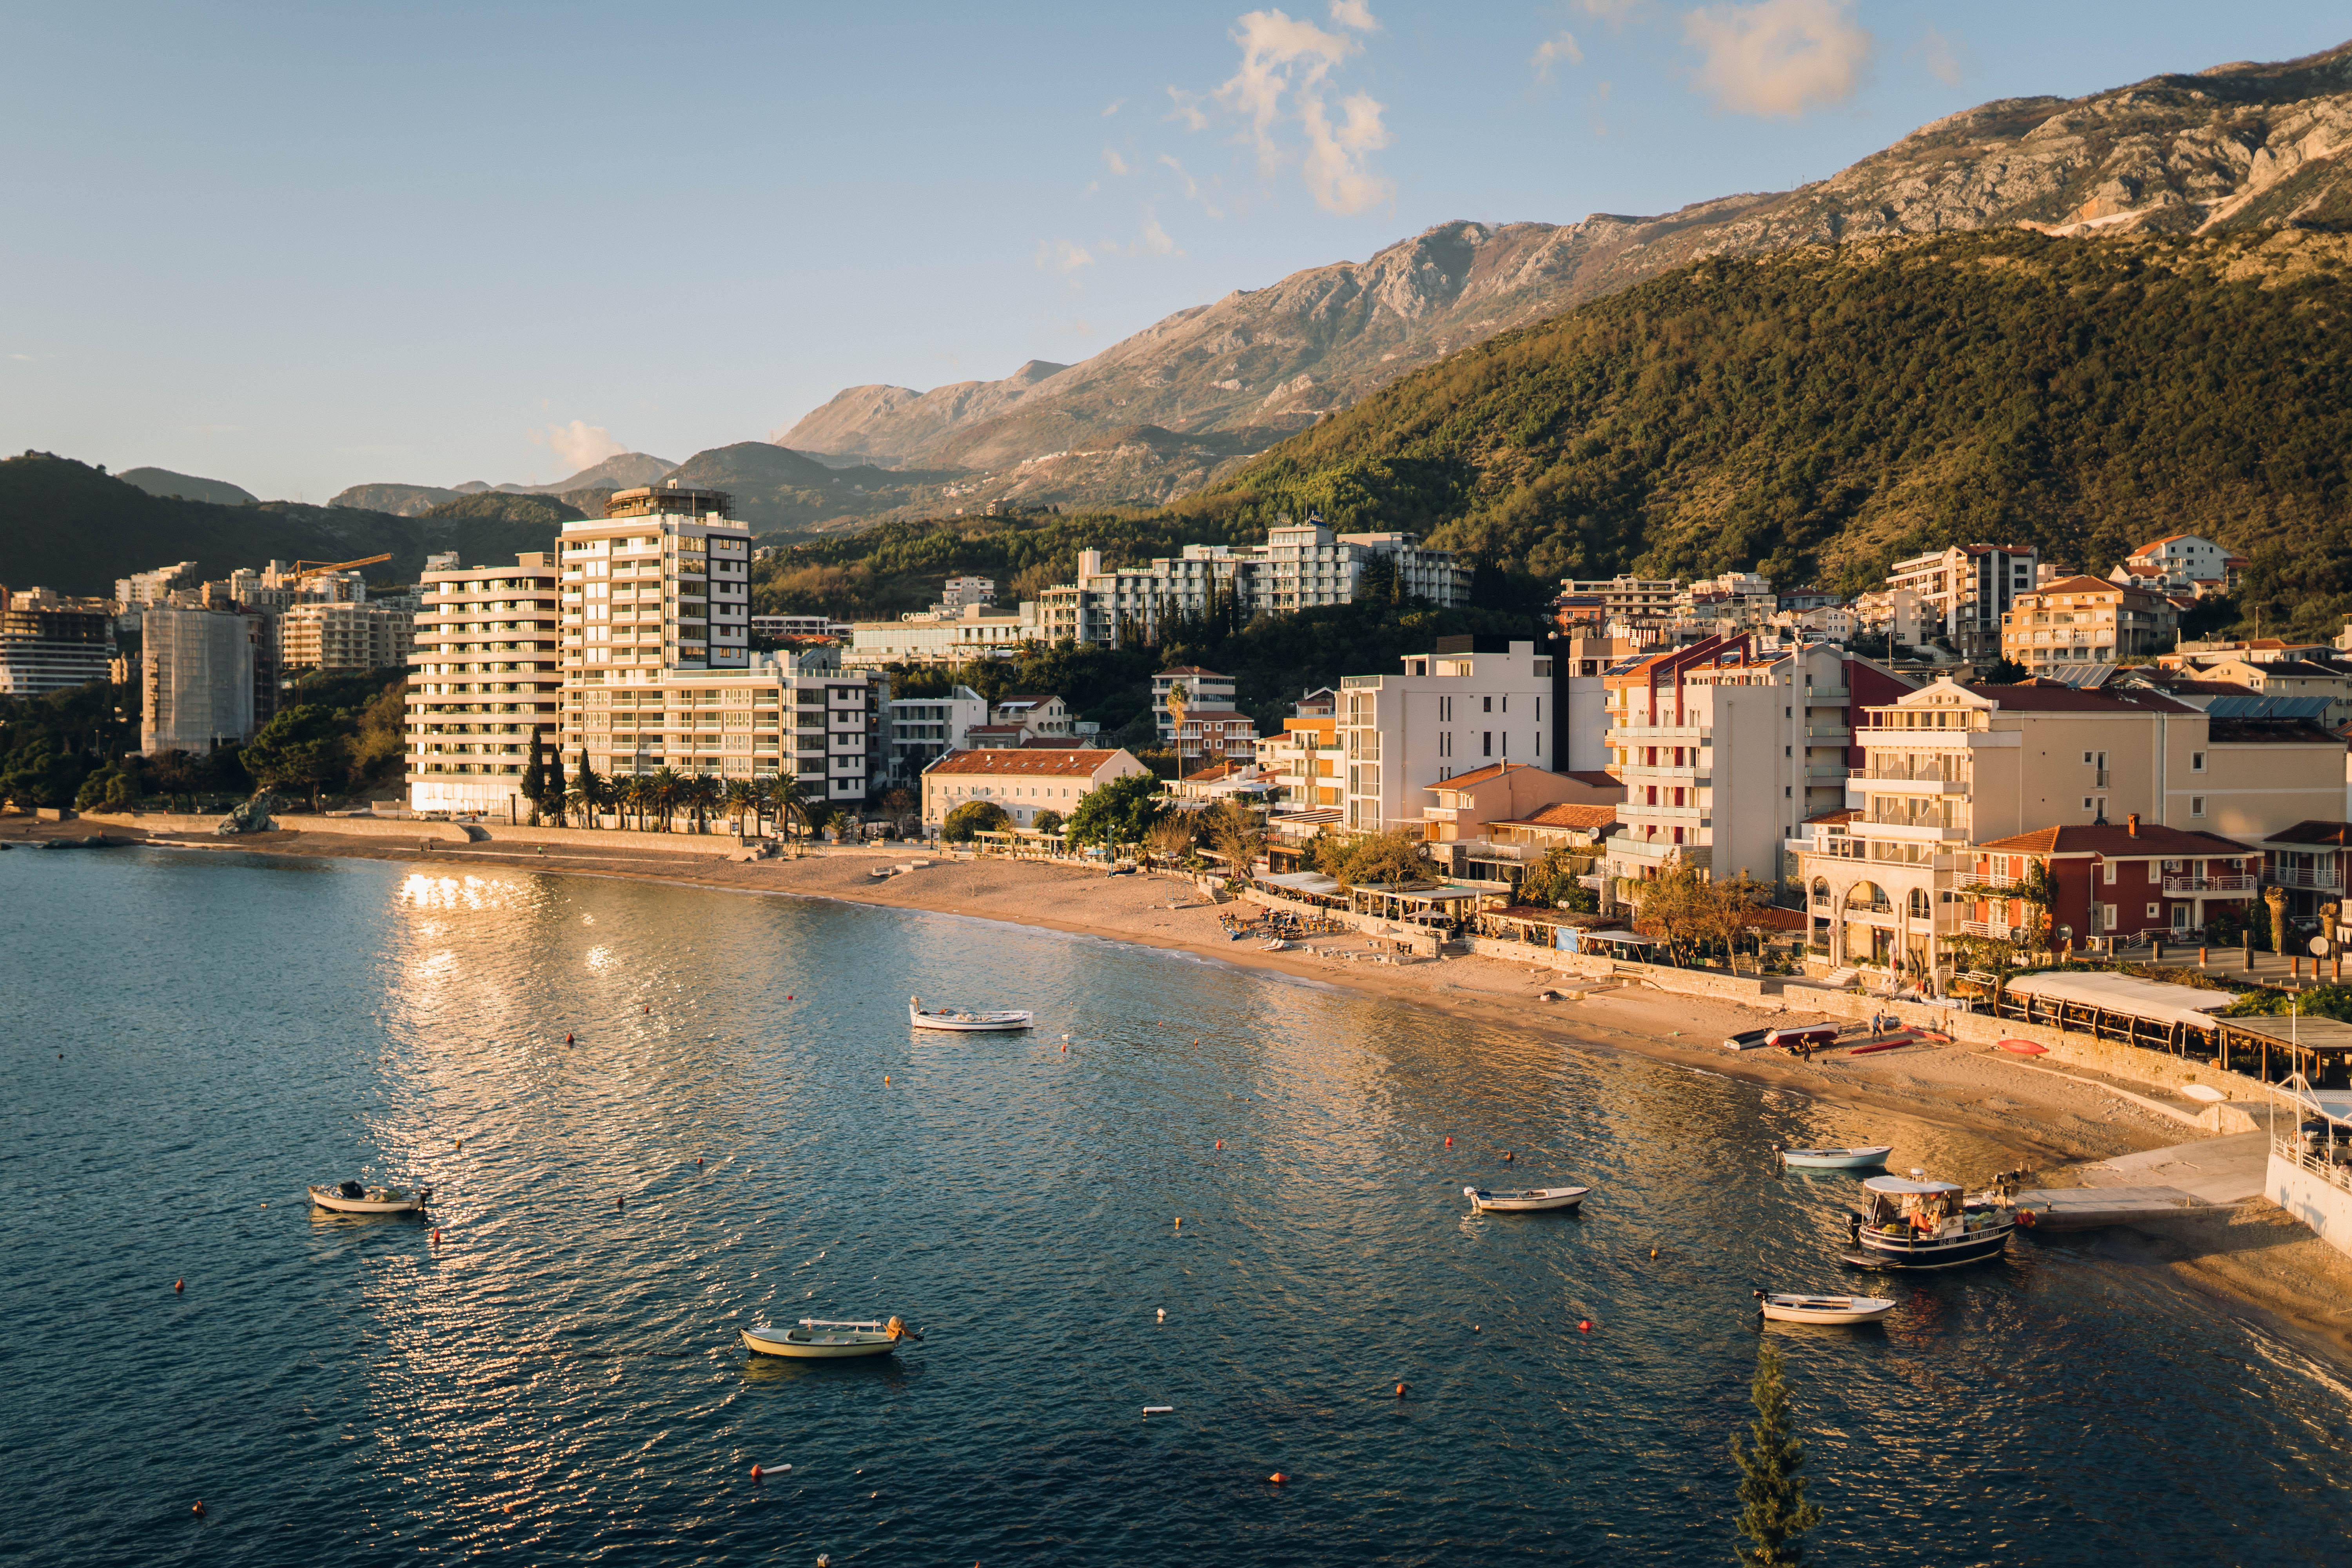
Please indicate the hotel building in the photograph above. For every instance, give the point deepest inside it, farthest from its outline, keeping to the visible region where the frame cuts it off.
(485, 678)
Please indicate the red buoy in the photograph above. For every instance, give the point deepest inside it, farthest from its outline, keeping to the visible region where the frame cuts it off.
(199, 1510)
(1221, 1143)
(1277, 1478)
(755, 1472)
(1449, 1140)
(178, 1286)
(567, 1039)
(1584, 1326)
(436, 1236)
(698, 1161)
(616, 1201)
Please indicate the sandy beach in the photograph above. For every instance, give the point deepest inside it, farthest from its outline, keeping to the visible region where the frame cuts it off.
(2048, 1122)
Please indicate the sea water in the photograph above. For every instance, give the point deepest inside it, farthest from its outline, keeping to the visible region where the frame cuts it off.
(194, 1037)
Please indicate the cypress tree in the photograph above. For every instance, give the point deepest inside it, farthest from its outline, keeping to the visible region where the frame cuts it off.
(591, 792)
(1774, 1514)
(554, 783)
(534, 778)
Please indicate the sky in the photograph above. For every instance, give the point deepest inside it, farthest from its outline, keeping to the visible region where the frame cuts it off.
(300, 247)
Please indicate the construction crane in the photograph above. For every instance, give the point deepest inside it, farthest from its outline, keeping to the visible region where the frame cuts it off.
(302, 569)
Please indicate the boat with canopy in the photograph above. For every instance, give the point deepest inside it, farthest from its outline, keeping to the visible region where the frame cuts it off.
(1913, 1223)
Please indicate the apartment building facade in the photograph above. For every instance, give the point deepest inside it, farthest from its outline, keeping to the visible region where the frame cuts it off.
(1474, 701)
(2078, 622)
(1950, 767)
(344, 635)
(486, 680)
(657, 671)
(925, 729)
(48, 643)
(2123, 879)
(200, 676)
(1964, 591)
(2183, 563)
(1726, 747)
(974, 633)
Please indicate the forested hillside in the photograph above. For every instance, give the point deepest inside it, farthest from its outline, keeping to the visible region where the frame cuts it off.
(1818, 413)
(67, 525)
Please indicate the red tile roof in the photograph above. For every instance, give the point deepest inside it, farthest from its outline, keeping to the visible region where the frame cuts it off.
(1480, 775)
(2053, 697)
(1565, 814)
(2313, 832)
(2116, 841)
(1026, 763)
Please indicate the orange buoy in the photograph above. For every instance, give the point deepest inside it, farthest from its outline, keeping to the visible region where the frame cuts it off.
(1277, 1478)
(698, 1161)
(755, 1472)
(1180, 1222)
(886, 1080)
(1449, 1140)
(436, 1236)
(1584, 1325)
(1221, 1143)
(1400, 1391)
(567, 1039)
(1508, 1158)
(178, 1286)
(199, 1510)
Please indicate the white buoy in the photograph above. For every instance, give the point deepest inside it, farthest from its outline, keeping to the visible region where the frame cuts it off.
(1159, 1410)
(1163, 1314)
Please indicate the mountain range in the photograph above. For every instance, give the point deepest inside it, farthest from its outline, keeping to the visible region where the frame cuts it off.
(2235, 147)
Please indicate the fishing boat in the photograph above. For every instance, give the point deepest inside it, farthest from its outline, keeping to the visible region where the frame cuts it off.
(1869, 1156)
(829, 1339)
(963, 1021)
(1528, 1201)
(352, 1197)
(1782, 1308)
(1787, 1037)
(1918, 1224)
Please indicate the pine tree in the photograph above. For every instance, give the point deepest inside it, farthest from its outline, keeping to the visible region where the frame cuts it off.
(1775, 1514)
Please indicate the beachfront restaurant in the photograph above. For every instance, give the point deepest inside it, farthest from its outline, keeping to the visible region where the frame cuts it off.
(1312, 886)
(1443, 903)
(2180, 1020)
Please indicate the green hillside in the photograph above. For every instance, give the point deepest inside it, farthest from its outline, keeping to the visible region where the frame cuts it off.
(165, 482)
(67, 525)
(1821, 412)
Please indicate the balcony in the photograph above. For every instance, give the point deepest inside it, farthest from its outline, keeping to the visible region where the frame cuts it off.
(1626, 735)
(2222, 884)
(1839, 847)
(1997, 930)
(2320, 878)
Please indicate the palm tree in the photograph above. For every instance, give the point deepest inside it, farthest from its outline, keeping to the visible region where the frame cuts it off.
(705, 794)
(664, 788)
(583, 794)
(784, 795)
(742, 797)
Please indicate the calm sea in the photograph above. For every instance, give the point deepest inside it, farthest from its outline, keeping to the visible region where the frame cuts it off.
(195, 1036)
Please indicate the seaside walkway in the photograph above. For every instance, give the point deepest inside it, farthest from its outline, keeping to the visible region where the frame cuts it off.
(2197, 1181)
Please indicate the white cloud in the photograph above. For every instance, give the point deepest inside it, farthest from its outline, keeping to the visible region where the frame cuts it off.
(579, 444)
(1284, 79)
(1552, 51)
(1194, 189)
(1614, 11)
(1115, 163)
(1942, 56)
(1063, 256)
(1116, 105)
(1155, 240)
(1187, 111)
(1778, 57)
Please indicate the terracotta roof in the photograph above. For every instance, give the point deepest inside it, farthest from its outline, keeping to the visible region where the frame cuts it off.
(2313, 832)
(1026, 763)
(1565, 814)
(2053, 697)
(1480, 775)
(1845, 814)
(2082, 585)
(2160, 543)
(2118, 841)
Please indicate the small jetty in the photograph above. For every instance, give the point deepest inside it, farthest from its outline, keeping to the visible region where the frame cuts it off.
(2192, 1181)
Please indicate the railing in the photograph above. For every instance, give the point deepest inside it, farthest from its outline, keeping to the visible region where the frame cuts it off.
(2320, 878)
(1995, 879)
(2241, 884)
(1994, 928)
(1910, 775)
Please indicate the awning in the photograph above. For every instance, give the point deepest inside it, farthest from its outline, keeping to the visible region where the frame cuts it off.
(1625, 936)
(1311, 882)
(1901, 1188)
(2153, 999)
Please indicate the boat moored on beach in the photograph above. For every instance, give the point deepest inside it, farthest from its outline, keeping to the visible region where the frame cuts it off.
(1862, 1157)
(960, 1020)
(1530, 1200)
(1913, 1223)
(829, 1339)
(352, 1197)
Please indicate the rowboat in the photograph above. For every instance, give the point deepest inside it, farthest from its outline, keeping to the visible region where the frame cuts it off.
(963, 1021)
(1823, 1308)
(350, 1197)
(2024, 1048)
(829, 1339)
(1920, 1224)
(1863, 1158)
(1528, 1201)
(1787, 1037)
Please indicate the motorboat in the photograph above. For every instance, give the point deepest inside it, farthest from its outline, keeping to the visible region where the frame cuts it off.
(1782, 1308)
(1866, 1157)
(1527, 1200)
(963, 1020)
(1913, 1223)
(1787, 1037)
(829, 1339)
(352, 1197)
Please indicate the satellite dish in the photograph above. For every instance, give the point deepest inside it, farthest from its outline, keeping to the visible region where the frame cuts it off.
(2319, 947)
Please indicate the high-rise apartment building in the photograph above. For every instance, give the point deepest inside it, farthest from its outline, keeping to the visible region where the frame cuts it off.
(343, 635)
(485, 679)
(2078, 623)
(658, 671)
(48, 643)
(1964, 591)
(199, 677)
(1450, 711)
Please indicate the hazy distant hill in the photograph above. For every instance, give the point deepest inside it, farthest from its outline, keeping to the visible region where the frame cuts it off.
(401, 501)
(165, 482)
(781, 492)
(2235, 147)
(66, 526)
(626, 471)
(501, 506)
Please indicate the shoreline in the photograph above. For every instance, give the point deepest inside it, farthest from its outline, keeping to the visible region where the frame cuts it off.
(2257, 1258)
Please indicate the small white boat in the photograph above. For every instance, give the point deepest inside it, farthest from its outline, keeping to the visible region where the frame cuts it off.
(1277, 945)
(350, 1197)
(829, 1339)
(1528, 1201)
(963, 1021)
(1823, 1308)
(1867, 1157)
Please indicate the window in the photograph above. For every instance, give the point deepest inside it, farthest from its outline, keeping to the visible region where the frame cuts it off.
(2196, 805)
(2196, 762)
(1489, 735)
(2086, 758)
(2155, 910)
(1490, 704)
